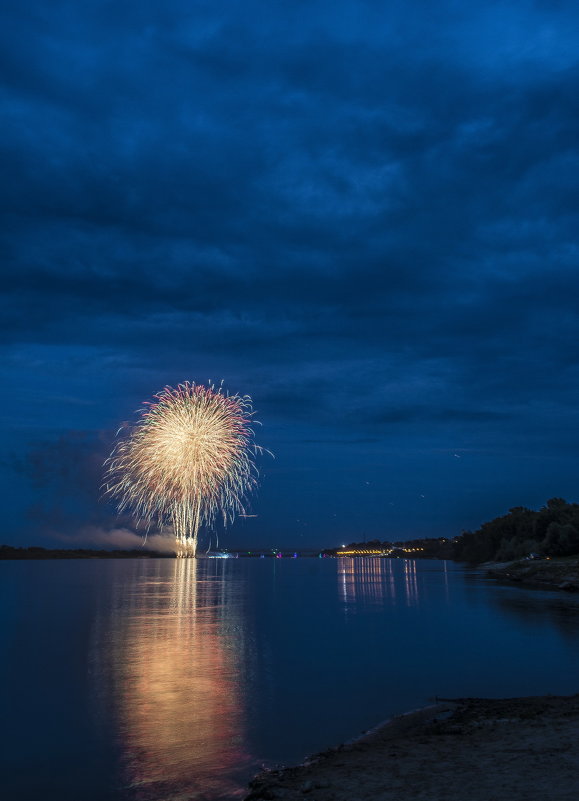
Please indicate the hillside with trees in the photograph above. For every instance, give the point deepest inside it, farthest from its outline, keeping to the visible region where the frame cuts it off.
(551, 531)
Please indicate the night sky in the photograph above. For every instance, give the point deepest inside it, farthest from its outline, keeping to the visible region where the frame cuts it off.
(363, 214)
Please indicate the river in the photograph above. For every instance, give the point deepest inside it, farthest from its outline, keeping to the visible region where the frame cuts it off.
(150, 680)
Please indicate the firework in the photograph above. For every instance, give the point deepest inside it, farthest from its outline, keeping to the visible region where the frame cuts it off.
(188, 460)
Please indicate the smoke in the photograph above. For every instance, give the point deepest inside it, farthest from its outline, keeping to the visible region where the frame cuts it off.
(108, 539)
(65, 504)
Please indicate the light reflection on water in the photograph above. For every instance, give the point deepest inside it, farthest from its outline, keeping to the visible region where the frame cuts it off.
(370, 580)
(175, 668)
(374, 581)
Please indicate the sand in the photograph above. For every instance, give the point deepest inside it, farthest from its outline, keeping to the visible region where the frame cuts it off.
(471, 749)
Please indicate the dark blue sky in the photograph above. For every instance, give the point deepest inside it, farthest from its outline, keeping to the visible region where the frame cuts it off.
(363, 214)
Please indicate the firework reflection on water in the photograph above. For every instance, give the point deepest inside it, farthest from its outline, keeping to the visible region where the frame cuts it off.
(178, 685)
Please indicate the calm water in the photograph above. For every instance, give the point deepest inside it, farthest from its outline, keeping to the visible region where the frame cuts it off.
(177, 679)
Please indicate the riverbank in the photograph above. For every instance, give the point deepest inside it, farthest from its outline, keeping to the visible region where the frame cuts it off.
(562, 574)
(13, 553)
(517, 749)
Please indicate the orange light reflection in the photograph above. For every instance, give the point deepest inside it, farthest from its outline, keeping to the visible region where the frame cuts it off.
(366, 579)
(178, 690)
(374, 580)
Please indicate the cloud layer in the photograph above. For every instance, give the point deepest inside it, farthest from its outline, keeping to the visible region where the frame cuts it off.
(364, 216)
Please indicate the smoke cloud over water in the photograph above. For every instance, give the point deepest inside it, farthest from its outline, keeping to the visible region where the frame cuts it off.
(97, 537)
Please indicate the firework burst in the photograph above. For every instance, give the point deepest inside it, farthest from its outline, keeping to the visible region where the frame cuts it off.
(188, 460)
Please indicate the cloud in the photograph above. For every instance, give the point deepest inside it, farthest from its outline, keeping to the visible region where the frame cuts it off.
(365, 216)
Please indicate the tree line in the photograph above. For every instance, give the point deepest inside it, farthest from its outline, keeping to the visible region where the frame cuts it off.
(37, 552)
(553, 530)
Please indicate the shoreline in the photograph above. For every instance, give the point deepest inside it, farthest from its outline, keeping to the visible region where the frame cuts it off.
(478, 748)
(546, 574)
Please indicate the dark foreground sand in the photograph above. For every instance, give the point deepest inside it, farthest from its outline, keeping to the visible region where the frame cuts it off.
(469, 749)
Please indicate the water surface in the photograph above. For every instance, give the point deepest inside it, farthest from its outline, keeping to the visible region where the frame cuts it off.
(177, 679)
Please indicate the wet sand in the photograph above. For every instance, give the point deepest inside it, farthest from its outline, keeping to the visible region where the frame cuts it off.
(473, 749)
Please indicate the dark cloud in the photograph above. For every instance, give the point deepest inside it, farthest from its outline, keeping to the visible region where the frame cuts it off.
(364, 215)
(66, 474)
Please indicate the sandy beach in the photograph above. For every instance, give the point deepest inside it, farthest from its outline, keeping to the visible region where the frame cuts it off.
(470, 749)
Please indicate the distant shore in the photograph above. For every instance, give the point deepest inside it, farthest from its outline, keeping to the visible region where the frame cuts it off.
(10, 552)
(37, 552)
(517, 749)
(560, 574)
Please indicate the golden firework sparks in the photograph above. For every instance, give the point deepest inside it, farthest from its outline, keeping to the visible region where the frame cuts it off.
(188, 459)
